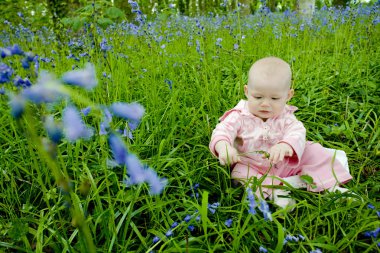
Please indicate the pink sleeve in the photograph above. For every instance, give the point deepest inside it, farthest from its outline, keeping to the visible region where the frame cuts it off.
(226, 130)
(295, 136)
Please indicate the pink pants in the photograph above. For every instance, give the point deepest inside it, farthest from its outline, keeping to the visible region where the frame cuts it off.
(315, 162)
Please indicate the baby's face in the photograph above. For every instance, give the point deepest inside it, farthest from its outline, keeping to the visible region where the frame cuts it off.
(267, 100)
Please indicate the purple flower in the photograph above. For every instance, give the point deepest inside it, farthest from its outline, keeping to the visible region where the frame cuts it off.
(252, 203)
(133, 111)
(228, 223)
(262, 249)
(118, 148)
(316, 251)
(107, 119)
(5, 73)
(85, 78)
(74, 127)
(373, 233)
(191, 228)
(5, 52)
(53, 130)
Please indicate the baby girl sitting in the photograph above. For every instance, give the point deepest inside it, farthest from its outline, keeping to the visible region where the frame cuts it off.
(265, 123)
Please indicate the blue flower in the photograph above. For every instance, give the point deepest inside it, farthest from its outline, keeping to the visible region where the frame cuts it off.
(86, 111)
(252, 203)
(17, 104)
(187, 218)
(133, 111)
(262, 249)
(53, 130)
(169, 233)
(85, 78)
(5, 73)
(156, 239)
(264, 208)
(212, 208)
(218, 42)
(46, 90)
(370, 206)
(373, 233)
(16, 50)
(228, 222)
(119, 150)
(23, 83)
(316, 251)
(156, 183)
(191, 228)
(74, 127)
(175, 224)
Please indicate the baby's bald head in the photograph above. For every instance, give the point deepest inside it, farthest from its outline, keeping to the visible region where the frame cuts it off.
(270, 71)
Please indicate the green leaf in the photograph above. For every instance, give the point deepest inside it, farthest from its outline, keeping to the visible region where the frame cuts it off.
(104, 22)
(114, 13)
(307, 179)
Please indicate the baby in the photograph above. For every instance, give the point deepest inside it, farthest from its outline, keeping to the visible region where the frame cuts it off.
(264, 122)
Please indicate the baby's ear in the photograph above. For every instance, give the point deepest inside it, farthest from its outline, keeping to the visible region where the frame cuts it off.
(246, 90)
(290, 94)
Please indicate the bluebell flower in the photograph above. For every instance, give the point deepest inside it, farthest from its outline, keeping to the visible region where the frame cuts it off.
(5, 73)
(104, 46)
(264, 208)
(262, 249)
(21, 83)
(118, 148)
(212, 208)
(53, 130)
(301, 237)
(169, 233)
(85, 78)
(156, 239)
(228, 223)
(127, 133)
(16, 50)
(2, 90)
(175, 224)
(316, 251)
(370, 206)
(25, 63)
(169, 82)
(86, 111)
(17, 104)
(373, 233)
(251, 199)
(236, 46)
(191, 228)
(187, 218)
(74, 127)
(46, 90)
(133, 111)
(5, 52)
(218, 42)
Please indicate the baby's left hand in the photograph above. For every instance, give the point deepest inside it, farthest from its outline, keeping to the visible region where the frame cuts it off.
(279, 151)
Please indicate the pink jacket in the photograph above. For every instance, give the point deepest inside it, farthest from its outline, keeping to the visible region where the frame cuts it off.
(249, 133)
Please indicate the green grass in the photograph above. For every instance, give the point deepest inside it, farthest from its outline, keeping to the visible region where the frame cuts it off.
(336, 78)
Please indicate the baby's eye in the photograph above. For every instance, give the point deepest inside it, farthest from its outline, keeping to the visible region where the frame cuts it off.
(257, 97)
(275, 98)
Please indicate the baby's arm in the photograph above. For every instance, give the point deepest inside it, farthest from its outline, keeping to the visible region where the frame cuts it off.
(226, 153)
(223, 137)
(292, 144)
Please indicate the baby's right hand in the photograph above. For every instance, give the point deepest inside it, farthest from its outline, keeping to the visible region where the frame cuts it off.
(226, 153)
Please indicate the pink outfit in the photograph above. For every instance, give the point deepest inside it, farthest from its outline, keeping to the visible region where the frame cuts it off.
(248, 133)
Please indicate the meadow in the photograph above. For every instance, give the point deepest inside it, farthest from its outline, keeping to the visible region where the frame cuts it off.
(74, 192)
